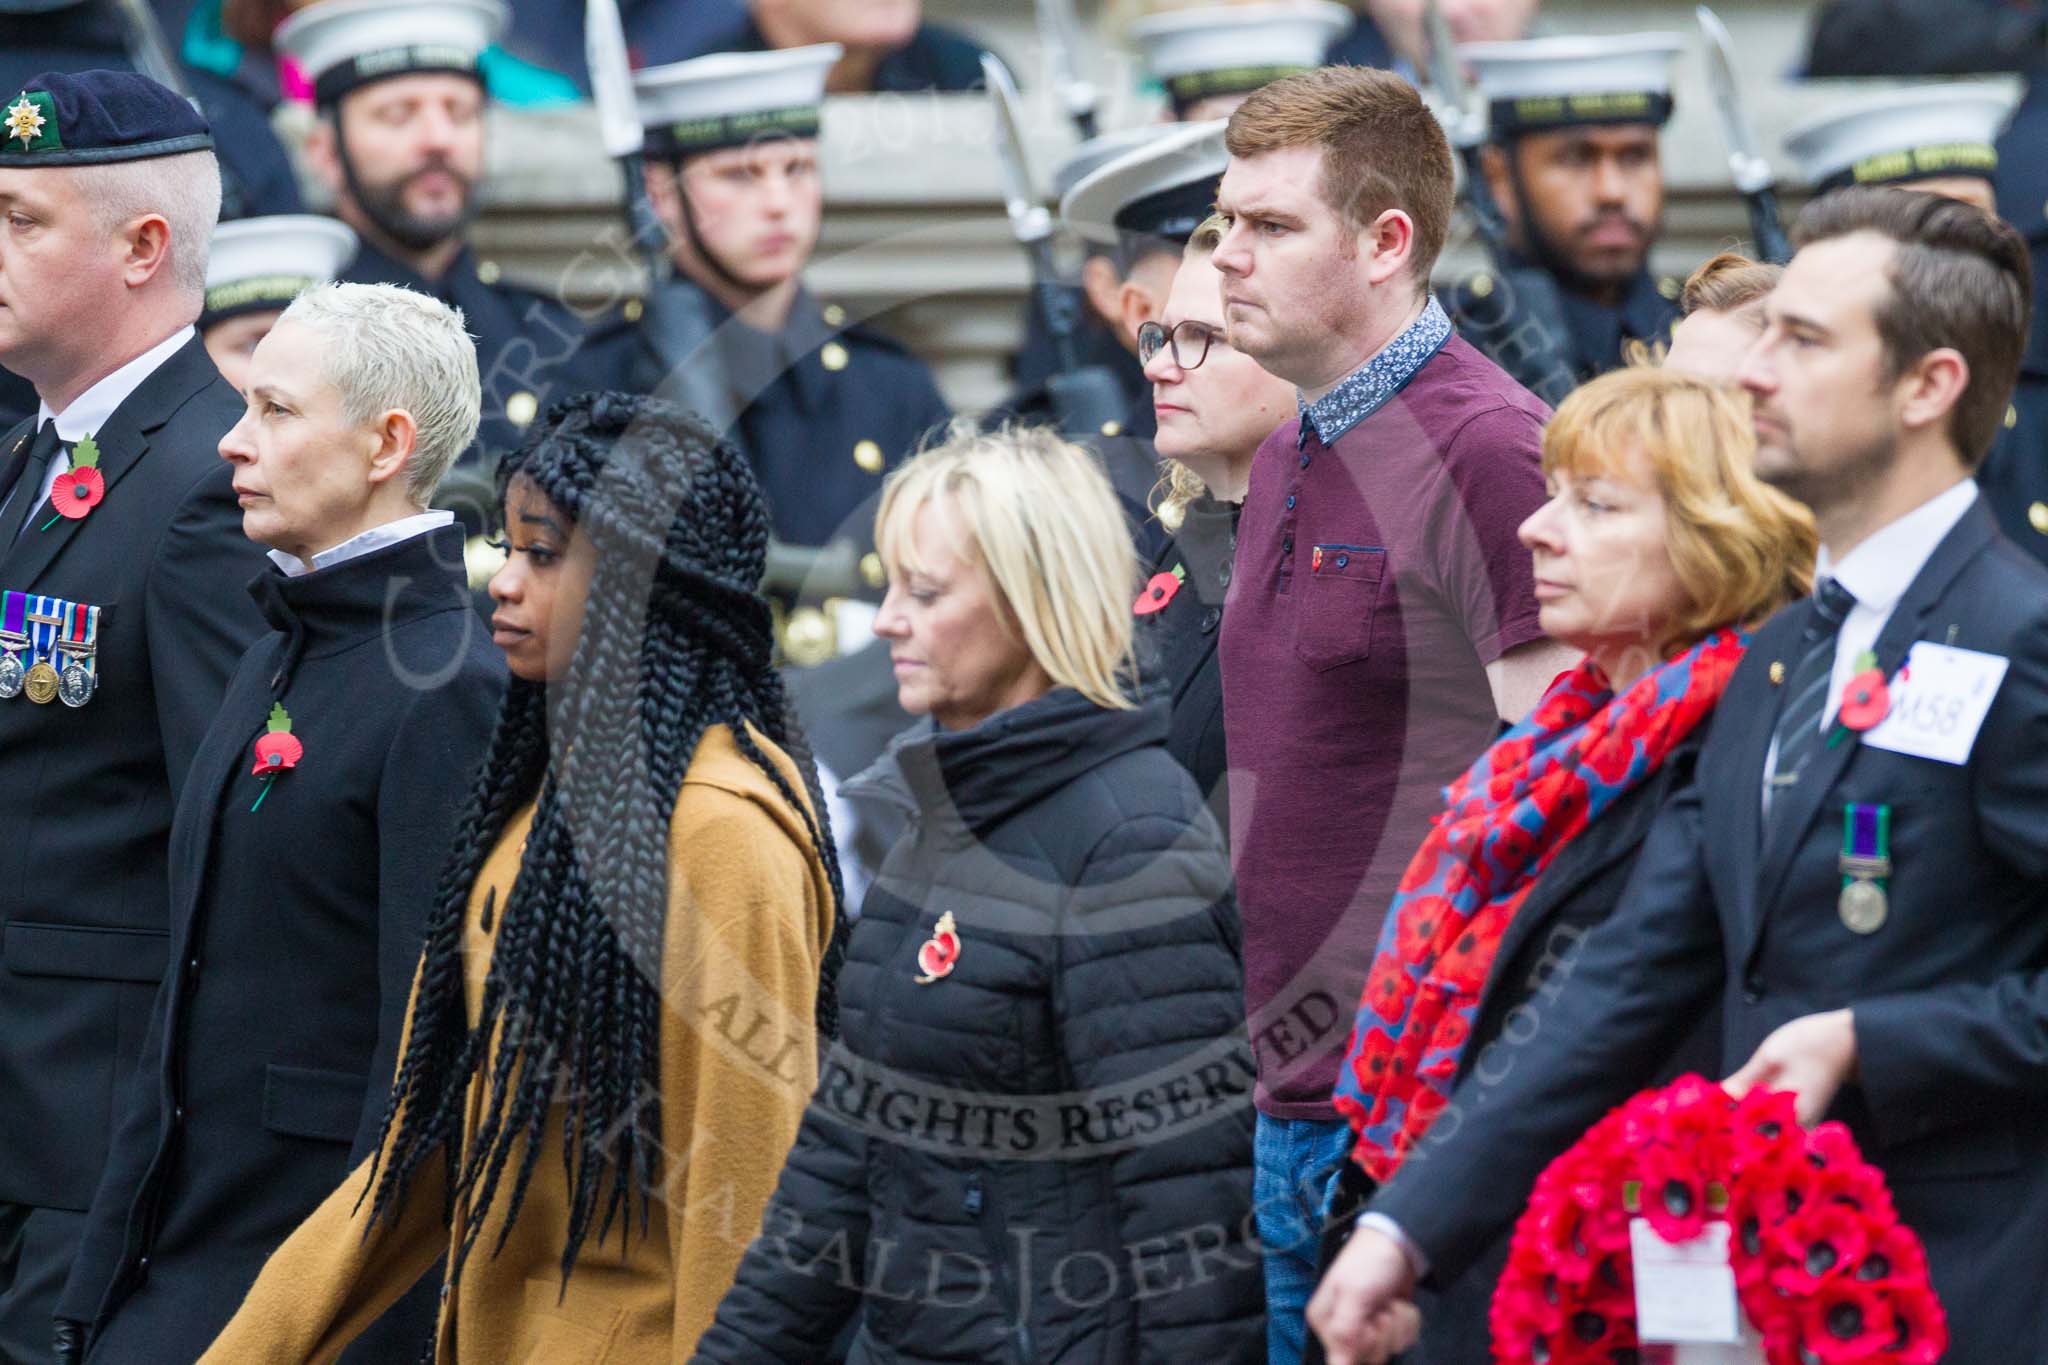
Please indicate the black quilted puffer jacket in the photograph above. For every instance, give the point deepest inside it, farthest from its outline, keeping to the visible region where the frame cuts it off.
(1033, 1141)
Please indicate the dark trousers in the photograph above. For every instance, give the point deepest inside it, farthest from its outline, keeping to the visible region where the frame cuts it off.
(36, 1250)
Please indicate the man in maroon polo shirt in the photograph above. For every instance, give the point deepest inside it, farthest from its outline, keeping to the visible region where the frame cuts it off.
(1381, 619)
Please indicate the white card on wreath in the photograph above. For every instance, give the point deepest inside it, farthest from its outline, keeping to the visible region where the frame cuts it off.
(1938, 703)
(1685, 1291)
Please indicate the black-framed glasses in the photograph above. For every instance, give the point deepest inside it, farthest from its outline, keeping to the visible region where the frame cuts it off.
(1189, 340)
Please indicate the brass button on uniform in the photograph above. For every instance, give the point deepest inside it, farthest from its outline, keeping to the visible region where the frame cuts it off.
(632, 310)
(808, 638)
(1668, 287)
(520, 408)
(832, 356)
(871, 570)
(1112, 428)
(2037, 517)
(1481, 285)
(835, 316)
(868, 456)
(487, 271)
(2012, 416)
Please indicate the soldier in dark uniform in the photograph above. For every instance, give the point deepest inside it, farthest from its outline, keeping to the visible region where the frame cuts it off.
(86, 35)
(1574, 167)
(254, 269)
(1960, 37)
(822, 408)
(889, 49)
(121, 617)
(400, 140)
(1939, 139)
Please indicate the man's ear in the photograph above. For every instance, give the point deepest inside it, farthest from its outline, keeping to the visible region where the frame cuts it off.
(322, 149)
(1931, 387)
(1100, 284)
(148, 249)
(397, 436)
(1135, 306)
(1391, 237)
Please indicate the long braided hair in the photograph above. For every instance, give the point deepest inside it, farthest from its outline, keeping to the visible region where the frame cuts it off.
(674, 640)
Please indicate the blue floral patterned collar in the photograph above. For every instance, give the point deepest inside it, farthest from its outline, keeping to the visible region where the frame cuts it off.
(1369, 386)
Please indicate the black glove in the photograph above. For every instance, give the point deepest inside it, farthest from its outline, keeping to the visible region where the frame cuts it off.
(70, 1342)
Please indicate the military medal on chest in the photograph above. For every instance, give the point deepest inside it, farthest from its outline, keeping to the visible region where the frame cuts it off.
(47, 648)
(1866, 867)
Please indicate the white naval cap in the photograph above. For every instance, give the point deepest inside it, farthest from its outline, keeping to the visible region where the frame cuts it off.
(729, 99)
(258, 264)
(1901, 135)
(343, 44)
(1164, 188)
(1235, 49)
(1099, 151)
(1538, 83)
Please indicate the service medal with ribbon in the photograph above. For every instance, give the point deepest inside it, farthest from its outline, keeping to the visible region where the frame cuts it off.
(13, 643)
(47, 648)
(1866, 864)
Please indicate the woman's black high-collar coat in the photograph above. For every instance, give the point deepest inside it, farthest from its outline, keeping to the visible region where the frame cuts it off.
(295, 931)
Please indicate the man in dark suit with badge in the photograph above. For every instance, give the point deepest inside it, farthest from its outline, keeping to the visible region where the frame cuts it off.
(1857, 870)
(400, 141)
(1574, 166)
(121, 616)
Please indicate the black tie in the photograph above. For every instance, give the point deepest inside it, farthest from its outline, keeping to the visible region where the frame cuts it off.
(24, 479)
(1806, 690)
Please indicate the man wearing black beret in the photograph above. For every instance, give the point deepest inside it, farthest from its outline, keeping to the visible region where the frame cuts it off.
(121, 615)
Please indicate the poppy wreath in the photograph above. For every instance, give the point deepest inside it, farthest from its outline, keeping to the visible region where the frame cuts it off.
(1824, 1270)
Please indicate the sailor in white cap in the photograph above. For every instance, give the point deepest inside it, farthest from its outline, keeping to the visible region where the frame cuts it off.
(257, 266)
(1211, 57)
(822, 408)
(400, 143)
(1941, 139)
(1574, 165)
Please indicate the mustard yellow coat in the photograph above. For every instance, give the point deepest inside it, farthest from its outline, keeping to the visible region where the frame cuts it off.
(750, 912)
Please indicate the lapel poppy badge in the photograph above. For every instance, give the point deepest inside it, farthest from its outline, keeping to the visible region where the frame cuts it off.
(78, 489)
(277, 749)
(1159, 591)
(1866, 700)
(935, 958)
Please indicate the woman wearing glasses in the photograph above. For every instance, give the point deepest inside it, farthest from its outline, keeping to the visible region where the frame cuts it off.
(1215, 406)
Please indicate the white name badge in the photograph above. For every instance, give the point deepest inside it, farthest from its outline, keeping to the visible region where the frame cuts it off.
(1685, 1291)
(1939, 701)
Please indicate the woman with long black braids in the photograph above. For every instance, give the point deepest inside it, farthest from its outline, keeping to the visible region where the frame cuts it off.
(614, 1027)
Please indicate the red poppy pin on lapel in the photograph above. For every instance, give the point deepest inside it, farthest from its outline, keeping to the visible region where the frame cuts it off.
(1866, 700)
(1159, 591)
(277, 749)
(79, 489)
(939, 952)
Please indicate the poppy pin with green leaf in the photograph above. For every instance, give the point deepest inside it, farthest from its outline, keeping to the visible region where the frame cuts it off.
(277, 749)
(78, 489)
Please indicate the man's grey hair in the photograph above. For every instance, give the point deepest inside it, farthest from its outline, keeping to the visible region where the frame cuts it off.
(184, 188)
(391, 347)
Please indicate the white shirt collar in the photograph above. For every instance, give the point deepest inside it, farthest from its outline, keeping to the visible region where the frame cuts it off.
(1880, 569)
(356, 546)
(90, 410)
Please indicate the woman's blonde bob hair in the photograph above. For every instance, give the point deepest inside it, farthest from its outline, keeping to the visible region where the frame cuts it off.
(1178, 485)
(1041, 522)
(1740, 548)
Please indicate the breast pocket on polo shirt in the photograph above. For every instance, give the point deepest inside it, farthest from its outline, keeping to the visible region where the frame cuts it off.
(1339, 598)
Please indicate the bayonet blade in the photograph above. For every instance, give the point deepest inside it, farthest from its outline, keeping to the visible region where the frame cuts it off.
(1746, 161)
(1060, 32)
(611, 79)
(1030, 221)
(1464, 127)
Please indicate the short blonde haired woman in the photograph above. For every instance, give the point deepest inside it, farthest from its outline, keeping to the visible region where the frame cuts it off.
(1657, 550)
(1034, 1142)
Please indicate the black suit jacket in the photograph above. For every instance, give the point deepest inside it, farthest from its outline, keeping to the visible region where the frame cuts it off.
(1950, 996)
(88, 792)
